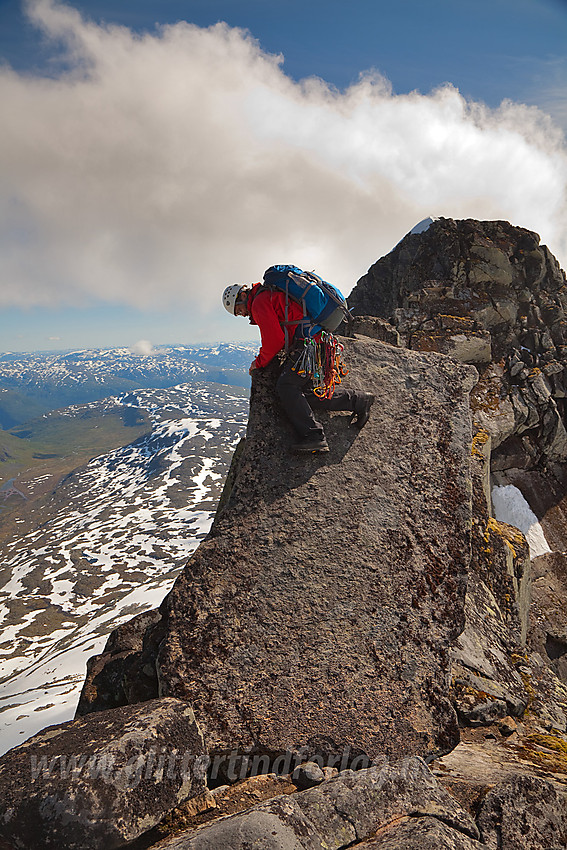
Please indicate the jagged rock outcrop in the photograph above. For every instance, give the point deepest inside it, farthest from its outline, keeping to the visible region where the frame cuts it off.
(485, 293)
(316, 617)
(123, 675)
(549, 610)
(490, 275)
(487, 685)
(488, 293)
(103, 780)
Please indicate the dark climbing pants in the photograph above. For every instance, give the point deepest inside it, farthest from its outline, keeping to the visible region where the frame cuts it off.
(297, 396)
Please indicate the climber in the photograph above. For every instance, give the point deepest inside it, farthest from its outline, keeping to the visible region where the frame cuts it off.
(267, 309)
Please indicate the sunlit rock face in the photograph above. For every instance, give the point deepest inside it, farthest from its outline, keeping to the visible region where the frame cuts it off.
(299, 623)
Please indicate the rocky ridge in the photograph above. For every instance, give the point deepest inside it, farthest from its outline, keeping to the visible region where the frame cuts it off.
(360, 622)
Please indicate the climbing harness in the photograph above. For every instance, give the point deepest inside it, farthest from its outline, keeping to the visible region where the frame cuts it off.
(321, 360)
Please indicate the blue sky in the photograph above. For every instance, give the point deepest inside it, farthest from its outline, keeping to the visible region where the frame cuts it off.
(141, 173)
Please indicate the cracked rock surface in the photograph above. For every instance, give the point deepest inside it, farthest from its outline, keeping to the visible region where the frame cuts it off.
(365, 607)
(340, 813)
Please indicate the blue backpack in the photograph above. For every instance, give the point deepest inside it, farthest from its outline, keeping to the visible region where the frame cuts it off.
(324, 306)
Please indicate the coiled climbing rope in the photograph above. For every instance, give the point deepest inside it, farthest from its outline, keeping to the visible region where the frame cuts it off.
(321, 360)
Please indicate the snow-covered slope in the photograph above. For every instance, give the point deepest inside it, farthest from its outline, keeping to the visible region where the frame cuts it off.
(107, 544)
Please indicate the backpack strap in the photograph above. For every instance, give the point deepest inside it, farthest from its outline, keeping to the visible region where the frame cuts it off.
(287, 324)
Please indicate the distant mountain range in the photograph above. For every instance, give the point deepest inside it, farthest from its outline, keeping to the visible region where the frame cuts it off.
(31, 384)
(101, 504)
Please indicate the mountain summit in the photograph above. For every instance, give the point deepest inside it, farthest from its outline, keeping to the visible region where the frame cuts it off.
(358, 625)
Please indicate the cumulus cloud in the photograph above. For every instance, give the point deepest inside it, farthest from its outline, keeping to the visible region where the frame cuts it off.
(143, 346)
(155, 169)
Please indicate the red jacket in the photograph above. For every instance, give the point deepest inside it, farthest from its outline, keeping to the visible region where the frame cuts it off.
(267, 310)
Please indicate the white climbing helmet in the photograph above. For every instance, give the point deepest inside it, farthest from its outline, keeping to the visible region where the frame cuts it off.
(230, 297)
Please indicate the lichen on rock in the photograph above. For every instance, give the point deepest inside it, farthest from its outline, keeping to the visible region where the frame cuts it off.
(102, 780)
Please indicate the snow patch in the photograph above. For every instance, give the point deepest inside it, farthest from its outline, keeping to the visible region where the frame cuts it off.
(510, 506)
(424, 224)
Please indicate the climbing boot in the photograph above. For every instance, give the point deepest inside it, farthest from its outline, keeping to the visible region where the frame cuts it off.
(361, 413)
(311, 444)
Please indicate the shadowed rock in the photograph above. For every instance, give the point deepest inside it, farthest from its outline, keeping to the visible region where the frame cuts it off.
(101, 781)
(522, 812)
(121, 676)
(484, 291)
(549, 627)
(465, 278)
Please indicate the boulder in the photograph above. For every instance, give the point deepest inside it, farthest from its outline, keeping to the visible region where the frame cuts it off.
(420, 834)
(338, 813)
(103, 780)
(307, 775)
(315, 619)
(524, 812)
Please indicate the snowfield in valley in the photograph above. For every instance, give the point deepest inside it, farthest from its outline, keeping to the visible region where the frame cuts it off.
(107, 545)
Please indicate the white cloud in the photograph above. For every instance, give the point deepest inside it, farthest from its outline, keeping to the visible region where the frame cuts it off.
(159, 168)
(143, 346)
